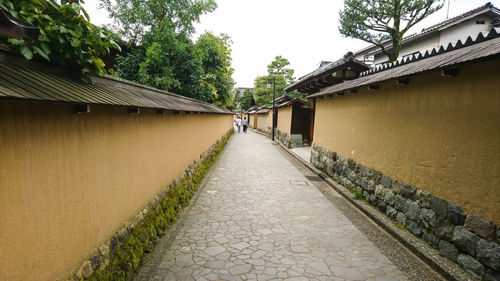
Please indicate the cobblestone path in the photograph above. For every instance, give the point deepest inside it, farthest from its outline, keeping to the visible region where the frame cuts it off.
(260, 218)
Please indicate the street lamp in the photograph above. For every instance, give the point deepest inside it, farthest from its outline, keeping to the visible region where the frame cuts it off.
(273, 79)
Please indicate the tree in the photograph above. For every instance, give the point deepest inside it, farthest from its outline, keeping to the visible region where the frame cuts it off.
(283, 77)
(264, 95)
(278, 67)
(377, 22)
(247, 99)
(67, 38)
(215, 55)
(139, 18)
(172, 61)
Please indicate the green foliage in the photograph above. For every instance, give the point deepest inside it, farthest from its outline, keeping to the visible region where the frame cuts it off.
(278, 68)
(215, 55)
(134, 248)
(358, 194)
(283, 77)
(172, 61)
(138, 19)
(128, 65)
(67, 38)
(247, 100)
(377, 21)
(264, 95)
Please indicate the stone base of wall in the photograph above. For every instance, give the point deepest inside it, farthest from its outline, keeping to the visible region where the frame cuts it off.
(469, 240)
(120, 257)
(289, 140)
(283, 138)
(266, 131)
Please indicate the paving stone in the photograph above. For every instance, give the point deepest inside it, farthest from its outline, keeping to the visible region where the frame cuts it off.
(251, 223)
(240, 269)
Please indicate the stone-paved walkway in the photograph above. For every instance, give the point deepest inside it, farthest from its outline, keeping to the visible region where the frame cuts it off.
(260, 218)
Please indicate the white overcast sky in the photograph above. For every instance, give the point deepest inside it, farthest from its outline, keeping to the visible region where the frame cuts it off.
(304, 32)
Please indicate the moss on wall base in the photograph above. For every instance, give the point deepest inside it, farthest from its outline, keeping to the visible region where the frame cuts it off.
(120, 258)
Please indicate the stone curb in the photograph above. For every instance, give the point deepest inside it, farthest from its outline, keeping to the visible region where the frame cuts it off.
(146, 273)
(443, 266)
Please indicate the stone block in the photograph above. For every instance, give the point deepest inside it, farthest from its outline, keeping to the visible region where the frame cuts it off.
(334, 156)
(413, 210)
(431, 239)
(492, 275)
(379, 191)
(397, 187)
(382, 206)
(427, 218)
(465, 240)
(357, 179)
(389, 197)
(444, 229)
(498, 234)
(364, 182)
(409, 191)
(351, 175)
(95, 261)
(488, 253)
(377, 176)
(471, 265)
(386, 181)
(438, 205)
(338, 168)
(369, 172)
(400, 204)
(370, 187)
(480, 226)
(454, 214)
(85, 270)
(373, 200)
(414, 228)
(351, 164)
(391, 212)
(401, 218)
(113, 245)
(423, 198)
(448, 250)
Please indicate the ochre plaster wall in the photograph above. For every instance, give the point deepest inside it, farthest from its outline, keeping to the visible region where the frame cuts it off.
(69, 180)
(265, 120)
(285, 119)
(440, 134)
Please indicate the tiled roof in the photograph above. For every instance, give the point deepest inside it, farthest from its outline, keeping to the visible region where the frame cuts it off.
(486, 44)
(439, 26)
(25, 83)
(347, 61)
(290, 102)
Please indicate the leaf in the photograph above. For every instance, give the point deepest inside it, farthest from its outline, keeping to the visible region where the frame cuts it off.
(41, 53)
(45, 47)
(27, 53)
(75, 33)
(75, 42)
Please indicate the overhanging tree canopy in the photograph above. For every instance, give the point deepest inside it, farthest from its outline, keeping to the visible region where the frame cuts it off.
(377, 21)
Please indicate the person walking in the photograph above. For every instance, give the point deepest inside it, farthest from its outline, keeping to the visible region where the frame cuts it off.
(245, 124)
(238, 123)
